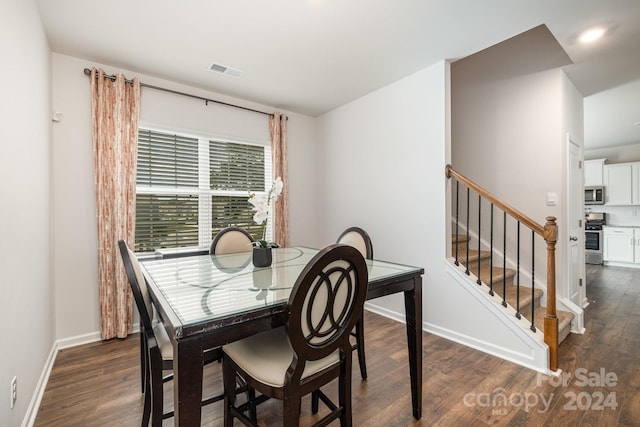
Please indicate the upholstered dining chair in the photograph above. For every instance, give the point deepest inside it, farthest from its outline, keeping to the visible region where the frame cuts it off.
(359, 239)
(156, 347)
(231, 240)
(313, 347)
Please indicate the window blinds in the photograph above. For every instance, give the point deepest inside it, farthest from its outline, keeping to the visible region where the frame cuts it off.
(189, 188)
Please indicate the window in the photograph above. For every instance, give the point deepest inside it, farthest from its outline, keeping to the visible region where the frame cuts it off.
(189, 188)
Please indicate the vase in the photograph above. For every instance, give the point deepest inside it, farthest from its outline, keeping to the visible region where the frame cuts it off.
(261, 257)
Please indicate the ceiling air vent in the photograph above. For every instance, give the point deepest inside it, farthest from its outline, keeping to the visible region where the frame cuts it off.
(227, 71)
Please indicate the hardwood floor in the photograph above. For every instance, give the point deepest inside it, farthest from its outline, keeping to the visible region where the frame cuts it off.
(99, 385)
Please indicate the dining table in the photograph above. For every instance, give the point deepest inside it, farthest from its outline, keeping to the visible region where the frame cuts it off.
(205, 301)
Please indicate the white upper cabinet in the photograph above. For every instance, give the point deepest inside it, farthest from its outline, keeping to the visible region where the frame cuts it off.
(594, 172)
(617, 182)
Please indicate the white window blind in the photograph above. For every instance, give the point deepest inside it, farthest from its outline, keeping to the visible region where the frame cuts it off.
(189, 188)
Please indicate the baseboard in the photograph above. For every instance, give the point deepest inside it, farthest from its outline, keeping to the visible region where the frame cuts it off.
(34, 405)
(78, 340)
(385, 312)
(621, 264)
(528, 361)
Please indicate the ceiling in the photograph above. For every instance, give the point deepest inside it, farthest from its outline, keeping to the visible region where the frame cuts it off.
(311, 56)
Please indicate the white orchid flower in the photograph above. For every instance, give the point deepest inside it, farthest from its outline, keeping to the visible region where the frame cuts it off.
(262, 206)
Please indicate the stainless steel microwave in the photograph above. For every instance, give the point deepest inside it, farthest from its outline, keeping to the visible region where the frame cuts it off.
(594, 195)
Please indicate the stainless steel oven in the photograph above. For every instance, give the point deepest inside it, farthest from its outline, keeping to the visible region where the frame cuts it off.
(593, 237)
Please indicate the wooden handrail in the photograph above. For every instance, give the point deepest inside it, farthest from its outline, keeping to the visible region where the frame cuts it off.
(502, 205)
(549, 233)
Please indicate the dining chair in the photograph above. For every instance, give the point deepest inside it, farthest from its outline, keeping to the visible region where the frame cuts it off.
(156, 348)
(312, 348)
(359, 239)
(231, 240)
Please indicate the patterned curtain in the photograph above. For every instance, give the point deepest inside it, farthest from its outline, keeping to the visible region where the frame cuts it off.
(115, 105)
(278, 130)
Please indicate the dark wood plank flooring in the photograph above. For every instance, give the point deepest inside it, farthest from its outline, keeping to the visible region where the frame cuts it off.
(99, 385)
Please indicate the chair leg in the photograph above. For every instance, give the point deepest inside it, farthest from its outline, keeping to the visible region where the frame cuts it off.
(344, 391)
(146, 412)
(229, 381)
(291, 410)
(155, 365)
(251, 396)
(143, 362)
(360, 342)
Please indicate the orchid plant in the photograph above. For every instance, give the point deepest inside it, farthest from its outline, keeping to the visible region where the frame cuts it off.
(262, 205)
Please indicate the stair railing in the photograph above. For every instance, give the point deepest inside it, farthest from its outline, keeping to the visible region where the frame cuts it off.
(548, 232)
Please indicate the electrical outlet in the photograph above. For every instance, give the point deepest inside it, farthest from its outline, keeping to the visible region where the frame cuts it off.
(14, 391)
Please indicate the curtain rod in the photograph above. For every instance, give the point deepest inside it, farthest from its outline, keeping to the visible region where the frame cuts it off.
(206, 100)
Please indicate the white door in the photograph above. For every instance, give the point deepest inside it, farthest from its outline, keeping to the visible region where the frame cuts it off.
(576, 286)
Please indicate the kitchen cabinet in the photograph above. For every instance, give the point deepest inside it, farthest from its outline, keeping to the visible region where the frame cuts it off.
(620, 244)
(621, 184)
(635, 183)
(618, 184)
(594, 172)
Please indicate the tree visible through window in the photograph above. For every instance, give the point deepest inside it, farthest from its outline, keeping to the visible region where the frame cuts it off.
(189, 188)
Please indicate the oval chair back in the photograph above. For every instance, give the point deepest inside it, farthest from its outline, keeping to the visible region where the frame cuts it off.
(359, 239)
(231, 240)
(313, 348)
(326, 302)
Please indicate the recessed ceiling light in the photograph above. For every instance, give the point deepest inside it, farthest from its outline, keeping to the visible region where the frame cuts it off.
(591, 35)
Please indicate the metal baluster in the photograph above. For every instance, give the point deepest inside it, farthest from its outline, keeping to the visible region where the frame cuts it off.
(533, 280)
(491, 256)
(479, 282)
(468, 240)
(457, 222)
(518, 315)
(504, 259)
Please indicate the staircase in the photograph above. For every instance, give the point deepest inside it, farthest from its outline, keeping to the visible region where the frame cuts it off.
(499, 276)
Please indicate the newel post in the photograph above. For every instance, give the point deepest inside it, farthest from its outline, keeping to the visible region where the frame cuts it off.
(551, 319)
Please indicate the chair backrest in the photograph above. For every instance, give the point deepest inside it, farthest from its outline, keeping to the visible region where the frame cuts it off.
(325, 303)
(359, 239)
(138, 285)
(231, 240)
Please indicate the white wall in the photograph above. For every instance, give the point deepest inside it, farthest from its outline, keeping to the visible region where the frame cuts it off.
(384, 156)
(505, 132)
(509, 136)
(75, 270)
(26, 317)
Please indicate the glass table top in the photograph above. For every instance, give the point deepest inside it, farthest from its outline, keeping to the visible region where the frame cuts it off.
(207, 287)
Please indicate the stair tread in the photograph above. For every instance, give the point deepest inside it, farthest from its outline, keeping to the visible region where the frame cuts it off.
(564, 318)
(525, 297)
(462, 238)
(473, 255)
(498, 274)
